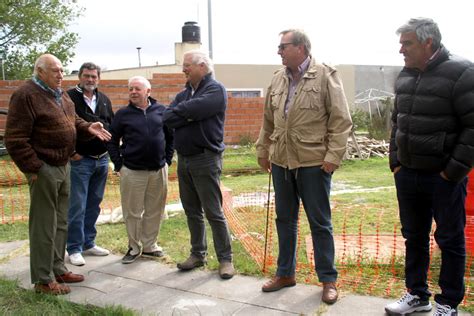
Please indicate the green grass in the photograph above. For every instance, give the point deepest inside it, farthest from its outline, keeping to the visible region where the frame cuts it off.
(17, 301)
(372, 213)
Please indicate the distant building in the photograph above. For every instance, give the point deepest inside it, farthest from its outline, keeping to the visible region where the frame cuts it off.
(248, 80)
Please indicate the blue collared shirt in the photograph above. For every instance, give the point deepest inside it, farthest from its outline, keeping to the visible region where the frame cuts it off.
(293, 83)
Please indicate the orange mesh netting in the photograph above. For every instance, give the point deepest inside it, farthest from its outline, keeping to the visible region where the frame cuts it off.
(369, 245)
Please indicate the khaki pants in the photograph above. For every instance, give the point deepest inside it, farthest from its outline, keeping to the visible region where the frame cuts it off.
(49, 195)
(143, 196)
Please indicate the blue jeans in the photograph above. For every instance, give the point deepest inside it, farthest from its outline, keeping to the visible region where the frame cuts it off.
(421, 197)
(313, 186)
(88, 179)
(200, 193)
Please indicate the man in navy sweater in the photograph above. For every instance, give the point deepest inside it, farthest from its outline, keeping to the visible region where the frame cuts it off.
(197, 114)
(141, 149)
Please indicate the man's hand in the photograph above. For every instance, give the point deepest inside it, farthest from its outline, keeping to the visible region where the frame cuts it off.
(396, 169)
(98, 130)
(264, 163)
(329, 167)
(444, 176)
(75, 157)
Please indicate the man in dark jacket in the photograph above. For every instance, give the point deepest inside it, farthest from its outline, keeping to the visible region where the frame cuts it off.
(197, 114)
(431, 152)
(141, 149)
(89, 168)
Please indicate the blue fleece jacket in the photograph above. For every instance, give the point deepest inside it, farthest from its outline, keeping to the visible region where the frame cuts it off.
(198, 119)
(147, 144)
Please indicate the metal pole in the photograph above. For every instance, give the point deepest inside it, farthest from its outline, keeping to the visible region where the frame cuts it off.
(266, 228)
(3, 70)
(209, 25)
(139, 59)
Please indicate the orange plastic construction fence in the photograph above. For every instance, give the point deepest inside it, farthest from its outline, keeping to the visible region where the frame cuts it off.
(369, 261)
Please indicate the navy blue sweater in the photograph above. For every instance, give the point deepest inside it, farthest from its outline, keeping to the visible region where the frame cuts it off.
(198, 119)
(147, 144)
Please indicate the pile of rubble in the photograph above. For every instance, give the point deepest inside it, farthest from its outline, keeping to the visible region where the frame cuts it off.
(362, 147)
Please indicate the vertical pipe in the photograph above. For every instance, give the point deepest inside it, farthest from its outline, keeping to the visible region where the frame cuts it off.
(209, 25)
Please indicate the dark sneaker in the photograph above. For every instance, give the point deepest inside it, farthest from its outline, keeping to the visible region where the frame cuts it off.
(408, 304)
(191, 263)
(153, 254)
(129, 258)
(226, 270)
(445, 310)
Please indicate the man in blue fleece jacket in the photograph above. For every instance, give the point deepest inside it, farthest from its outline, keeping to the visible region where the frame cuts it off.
(197, 114)
(142, 161)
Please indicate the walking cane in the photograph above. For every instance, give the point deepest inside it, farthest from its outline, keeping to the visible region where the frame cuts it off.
(268, 212)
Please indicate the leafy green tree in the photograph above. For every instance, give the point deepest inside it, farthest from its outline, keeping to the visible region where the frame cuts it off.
(29, 28)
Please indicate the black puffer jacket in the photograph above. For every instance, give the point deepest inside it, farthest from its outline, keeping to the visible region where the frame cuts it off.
(433, 118)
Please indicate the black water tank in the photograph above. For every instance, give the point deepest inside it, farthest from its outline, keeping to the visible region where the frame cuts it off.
(191, 33)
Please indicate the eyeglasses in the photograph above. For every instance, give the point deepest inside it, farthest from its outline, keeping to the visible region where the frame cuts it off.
(283, 45)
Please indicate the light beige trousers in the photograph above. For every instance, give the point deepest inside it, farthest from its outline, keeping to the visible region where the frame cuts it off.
(143, 195)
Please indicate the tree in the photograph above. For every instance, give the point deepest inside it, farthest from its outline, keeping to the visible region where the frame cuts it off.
(29, 28)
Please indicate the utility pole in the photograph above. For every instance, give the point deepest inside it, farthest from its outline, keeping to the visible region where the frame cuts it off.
(139, 59)
(209, 25)
(3, 69)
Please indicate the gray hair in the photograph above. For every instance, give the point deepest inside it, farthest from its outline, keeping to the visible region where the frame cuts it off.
(424, 28)
(299, 37)
(89, 66)
(201, 57)
(140, 79)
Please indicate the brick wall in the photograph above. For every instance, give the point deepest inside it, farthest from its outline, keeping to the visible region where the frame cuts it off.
(243, 118)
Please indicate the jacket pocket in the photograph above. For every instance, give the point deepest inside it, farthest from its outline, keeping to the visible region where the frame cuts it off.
(310, 148)
(310, 98)
(277, 99)
(276, 149)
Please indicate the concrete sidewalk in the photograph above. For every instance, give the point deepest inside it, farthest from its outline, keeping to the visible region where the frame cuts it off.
(153, 288)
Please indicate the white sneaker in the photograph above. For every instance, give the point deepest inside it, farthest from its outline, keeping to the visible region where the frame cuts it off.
(445, 310)
(77, 259)
(408, 304)
(96, 251)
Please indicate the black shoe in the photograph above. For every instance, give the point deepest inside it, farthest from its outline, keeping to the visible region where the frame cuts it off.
(153, 254)
(191, 263)
(129, 258)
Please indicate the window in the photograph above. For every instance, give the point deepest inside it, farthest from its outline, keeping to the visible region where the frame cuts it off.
(245, 93)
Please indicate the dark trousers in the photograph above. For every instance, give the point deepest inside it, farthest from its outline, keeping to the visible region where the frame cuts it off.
(49, 195)
(421, 197)
(200, 193)
(312, 185)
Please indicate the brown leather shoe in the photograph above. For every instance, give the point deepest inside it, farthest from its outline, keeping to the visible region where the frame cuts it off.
(69, 277)
(278, 282)
(52, 288)
(329, 292)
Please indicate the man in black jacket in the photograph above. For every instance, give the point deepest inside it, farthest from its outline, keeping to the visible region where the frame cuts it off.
(141, 149)
(89, 168)
(431, 152)
(197, 114)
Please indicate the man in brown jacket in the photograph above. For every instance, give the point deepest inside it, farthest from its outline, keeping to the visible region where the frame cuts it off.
(302, 141)
(40, 137)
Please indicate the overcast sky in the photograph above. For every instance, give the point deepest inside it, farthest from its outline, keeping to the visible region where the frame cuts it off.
(246, 31)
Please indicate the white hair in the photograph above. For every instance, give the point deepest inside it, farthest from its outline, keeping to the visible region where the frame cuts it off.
(140, 79)
(201, 57)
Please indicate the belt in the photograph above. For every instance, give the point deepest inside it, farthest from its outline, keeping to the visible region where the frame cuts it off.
(97, 157)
